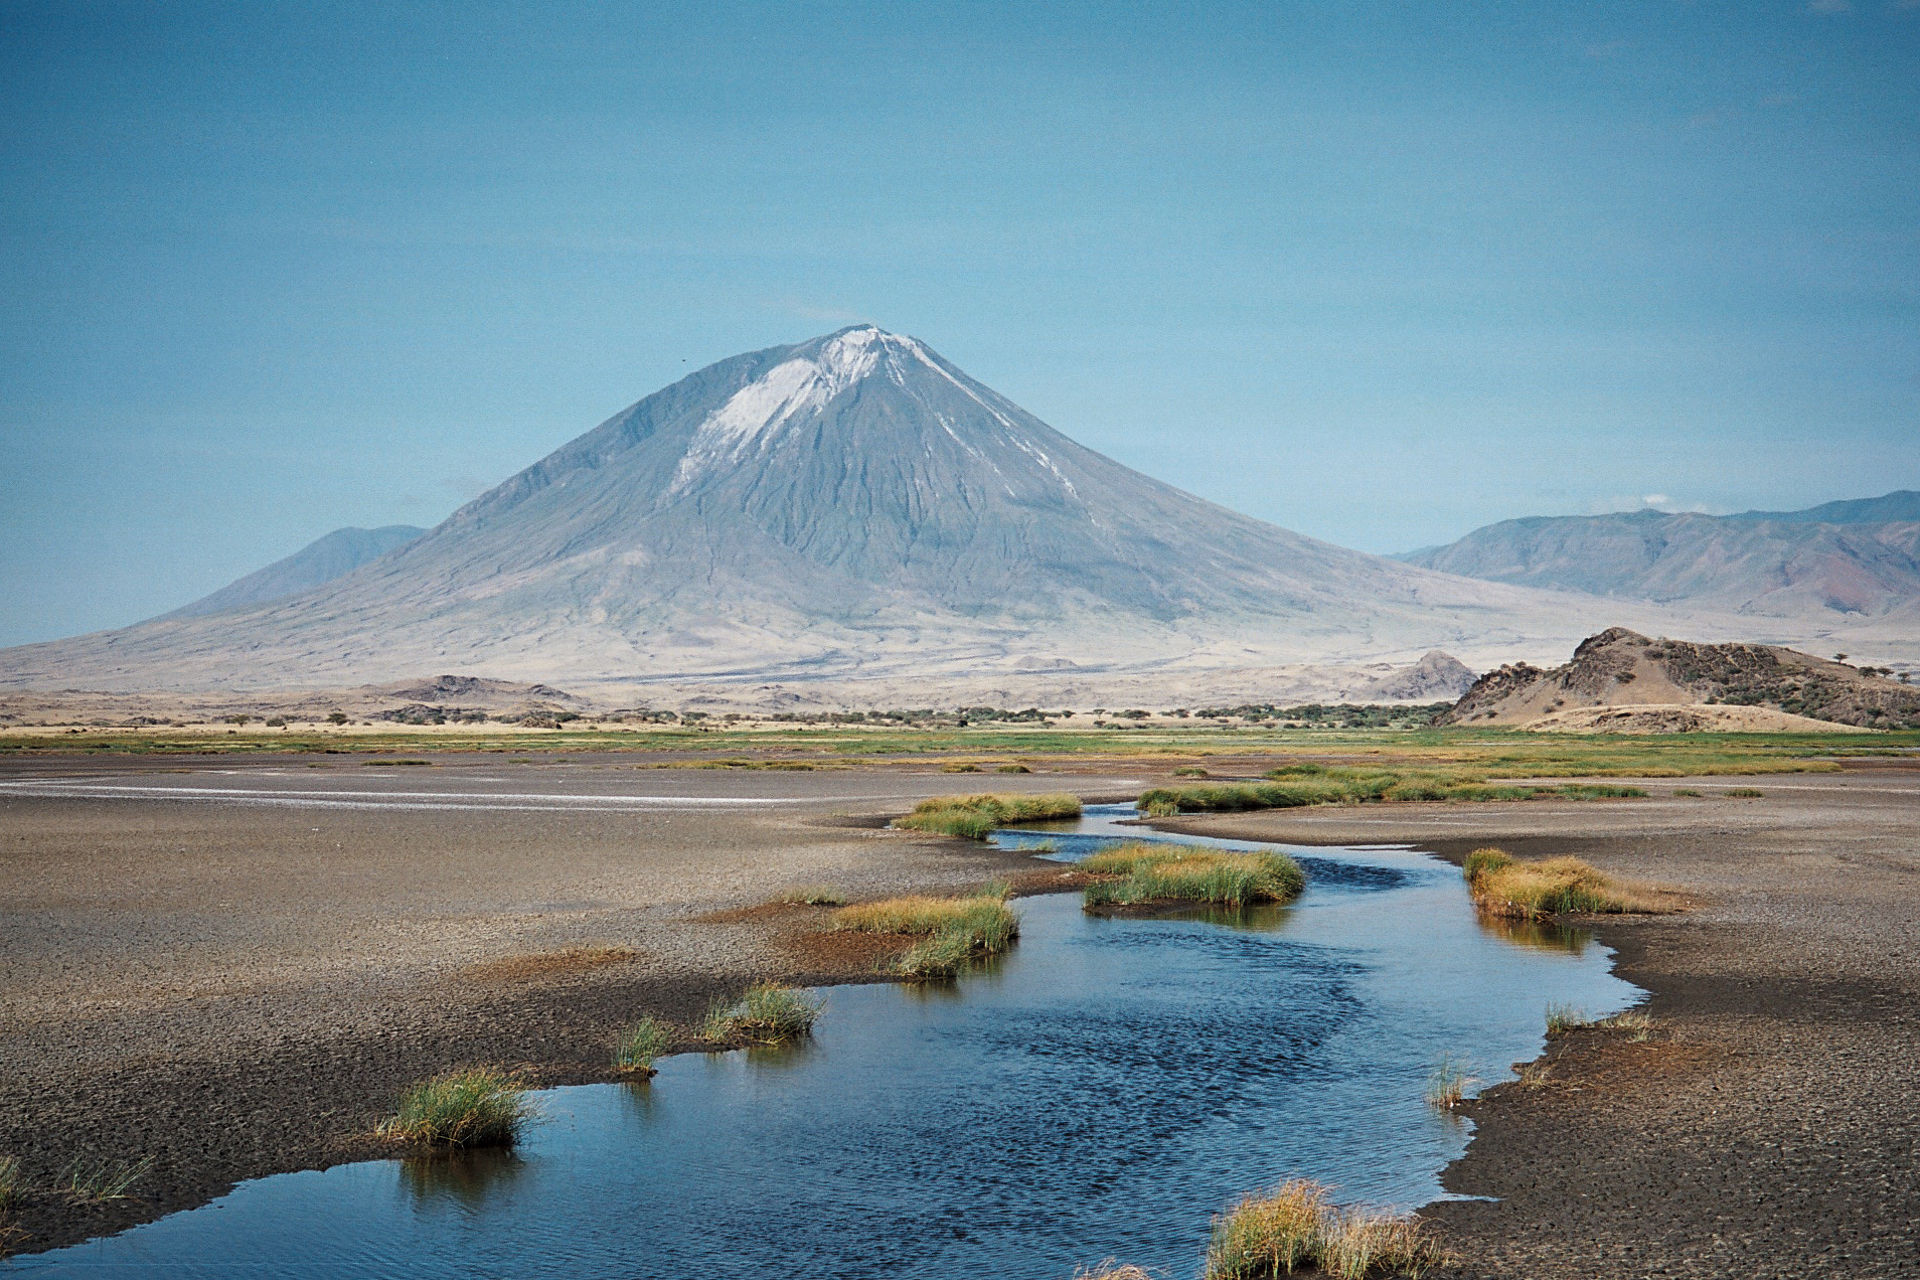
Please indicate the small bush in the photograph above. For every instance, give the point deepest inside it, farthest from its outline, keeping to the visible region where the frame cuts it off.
(1502, 885)
(768, 1013)
(1745, 793)
(1143, 873)
(1292, 1228)
(641, 1043)
(975, 817)
(467, 1107)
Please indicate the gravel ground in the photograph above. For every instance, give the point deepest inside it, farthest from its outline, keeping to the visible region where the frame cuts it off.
(1769, 1126)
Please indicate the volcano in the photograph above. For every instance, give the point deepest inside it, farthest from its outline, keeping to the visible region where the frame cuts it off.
(849, 507)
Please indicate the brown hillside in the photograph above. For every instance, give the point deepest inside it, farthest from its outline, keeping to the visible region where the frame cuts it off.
(1621, 669)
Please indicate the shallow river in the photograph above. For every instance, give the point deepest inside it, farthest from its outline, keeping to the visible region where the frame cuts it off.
(1098, 1093)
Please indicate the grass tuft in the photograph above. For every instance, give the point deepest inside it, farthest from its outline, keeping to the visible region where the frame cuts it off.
(99, 1181)
(1566, 1017)
(768, 1013)
(1294, 785)
(951, 932)
(1637, 1023)
(975, 817)
(1148, 872)
(813, 896)
(466, 1107)
(1292, 1228)
(1745, 793)
(1111, 1270)
(1687, 791)
(641, 1043)
(1502, 885)
(1447, 1085)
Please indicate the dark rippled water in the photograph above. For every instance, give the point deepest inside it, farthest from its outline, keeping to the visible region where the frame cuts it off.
(1099, 1093)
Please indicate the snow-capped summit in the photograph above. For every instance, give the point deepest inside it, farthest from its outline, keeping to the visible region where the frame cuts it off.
(846, 505)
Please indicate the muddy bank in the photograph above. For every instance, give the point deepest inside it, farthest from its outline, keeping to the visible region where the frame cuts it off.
(1769, 1125)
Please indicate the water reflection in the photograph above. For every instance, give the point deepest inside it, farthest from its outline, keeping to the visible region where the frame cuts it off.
(468, 1178)
(1544, 935)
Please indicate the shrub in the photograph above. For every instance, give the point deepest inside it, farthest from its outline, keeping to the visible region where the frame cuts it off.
(1145, 872)
(768, 1013)
(641, 1043)
(466, 1107)
(975, 817)
(1504, 886)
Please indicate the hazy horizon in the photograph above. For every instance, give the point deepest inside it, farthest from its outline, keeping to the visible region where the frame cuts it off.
(1376, 279)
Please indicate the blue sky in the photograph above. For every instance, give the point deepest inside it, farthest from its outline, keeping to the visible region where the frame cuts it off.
(1377, 272)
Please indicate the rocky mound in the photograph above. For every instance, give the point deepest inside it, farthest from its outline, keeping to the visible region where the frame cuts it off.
(1664, 679)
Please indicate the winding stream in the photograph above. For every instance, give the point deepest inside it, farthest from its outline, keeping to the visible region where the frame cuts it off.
(1099, 1092)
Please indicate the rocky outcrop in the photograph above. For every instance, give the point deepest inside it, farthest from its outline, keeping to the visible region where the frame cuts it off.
(1619, 668)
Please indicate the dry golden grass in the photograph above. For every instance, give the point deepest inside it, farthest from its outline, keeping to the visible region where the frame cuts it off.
(1502, 885)
(1292, 1228)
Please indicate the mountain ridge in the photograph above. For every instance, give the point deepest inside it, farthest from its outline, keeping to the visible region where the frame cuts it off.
(853, 508)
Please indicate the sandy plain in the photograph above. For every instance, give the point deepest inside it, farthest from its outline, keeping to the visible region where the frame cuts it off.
(233, 965)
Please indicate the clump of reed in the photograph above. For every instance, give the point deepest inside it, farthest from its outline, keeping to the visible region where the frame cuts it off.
(465, 1107)
(640, 1044)
(975, 817)
(1296, 785)
(1565, 1017)
(951, 932)
(767, 1013)
(9, 1181)
(1292, 1227)
(1448, 1083)
(1502, 885)
(1147, 872)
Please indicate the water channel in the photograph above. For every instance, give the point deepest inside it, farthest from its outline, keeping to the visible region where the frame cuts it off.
(1099, 1092)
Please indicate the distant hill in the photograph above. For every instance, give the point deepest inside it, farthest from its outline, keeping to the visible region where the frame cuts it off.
(317, 563)
(1858, 558)
(850, 509)
(1675, 685)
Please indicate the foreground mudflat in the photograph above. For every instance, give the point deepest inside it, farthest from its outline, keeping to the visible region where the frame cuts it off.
(1770, 1123)
(237, 965)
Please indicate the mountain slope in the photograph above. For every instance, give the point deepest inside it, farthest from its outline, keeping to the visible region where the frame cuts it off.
(852, 507)
(320, 561)
(1858, 559)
